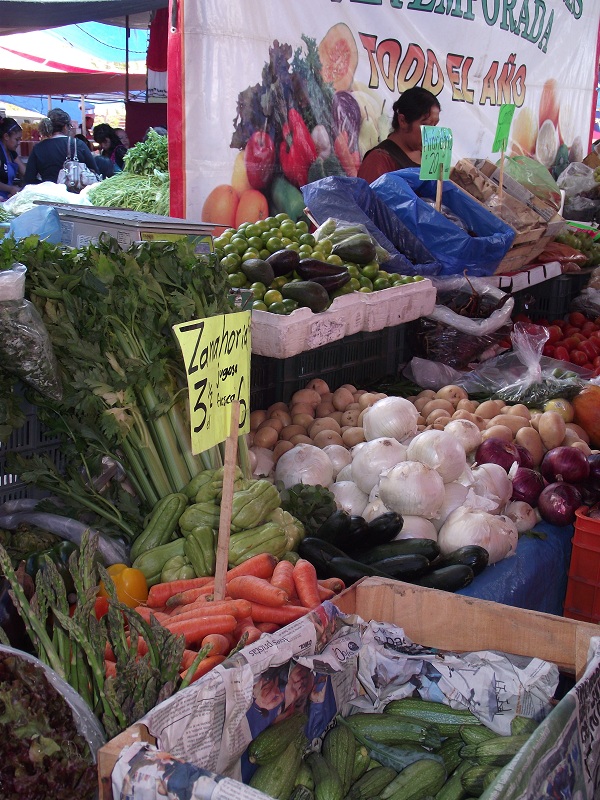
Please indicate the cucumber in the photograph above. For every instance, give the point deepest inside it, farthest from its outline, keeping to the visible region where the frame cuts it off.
(403, 568)
(448, 579)
(400, 547)
(473, 780)
(471, 555)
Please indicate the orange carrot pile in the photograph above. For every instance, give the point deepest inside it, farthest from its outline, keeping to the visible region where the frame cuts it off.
(262, 595)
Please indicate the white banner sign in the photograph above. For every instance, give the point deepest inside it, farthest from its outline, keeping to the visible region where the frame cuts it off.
(273, 93)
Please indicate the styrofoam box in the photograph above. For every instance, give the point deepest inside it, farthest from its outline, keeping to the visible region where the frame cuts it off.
(527, 277)
(399, 304)
(282, 336)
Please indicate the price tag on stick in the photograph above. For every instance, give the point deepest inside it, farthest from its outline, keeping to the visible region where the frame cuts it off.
(436, 156)
(505, 118)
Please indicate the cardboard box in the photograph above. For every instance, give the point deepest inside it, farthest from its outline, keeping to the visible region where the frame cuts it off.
(433, 618)
(592, 160)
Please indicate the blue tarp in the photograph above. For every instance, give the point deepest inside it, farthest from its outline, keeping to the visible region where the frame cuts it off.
(535, 578)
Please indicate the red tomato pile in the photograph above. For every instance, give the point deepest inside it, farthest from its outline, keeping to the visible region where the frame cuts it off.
(575, 339)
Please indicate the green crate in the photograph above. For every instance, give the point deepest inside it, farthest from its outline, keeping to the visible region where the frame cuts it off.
(550, 299)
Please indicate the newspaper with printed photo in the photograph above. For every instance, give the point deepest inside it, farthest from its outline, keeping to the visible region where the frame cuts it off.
(325, 664)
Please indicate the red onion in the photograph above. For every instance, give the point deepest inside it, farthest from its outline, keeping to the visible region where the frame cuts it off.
(525, 457)
(594, 462)
(565, 464)
(497, 451)
(558, 502)
(527, 485)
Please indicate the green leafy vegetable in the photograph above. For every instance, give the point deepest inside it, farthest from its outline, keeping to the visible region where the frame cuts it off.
(312, 505)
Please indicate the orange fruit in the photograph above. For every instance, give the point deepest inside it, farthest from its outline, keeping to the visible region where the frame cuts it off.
(221, 205)
(239, 176)
(253, 206)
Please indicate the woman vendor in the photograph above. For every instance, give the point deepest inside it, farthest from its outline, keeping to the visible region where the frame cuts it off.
(402, 148)
(11, 165)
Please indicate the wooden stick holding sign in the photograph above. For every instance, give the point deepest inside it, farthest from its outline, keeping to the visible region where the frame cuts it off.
(439, 188)
(505, 117)
(501, 180)
(226, 502)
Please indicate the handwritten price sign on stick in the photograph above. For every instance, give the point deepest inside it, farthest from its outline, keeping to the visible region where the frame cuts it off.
(436, 153)
(216, 353)
(505, 118)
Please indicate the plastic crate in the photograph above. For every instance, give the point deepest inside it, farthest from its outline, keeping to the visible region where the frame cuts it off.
(551, 299)
(359, 359)
(582, 599)
(31, 439)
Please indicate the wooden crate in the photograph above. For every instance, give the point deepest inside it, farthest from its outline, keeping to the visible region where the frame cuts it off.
(436, 619)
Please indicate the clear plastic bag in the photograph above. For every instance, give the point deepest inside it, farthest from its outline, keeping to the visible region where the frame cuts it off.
(535, 177)
(576, 179)
(587, 302)
(339, 231)
(25, 347)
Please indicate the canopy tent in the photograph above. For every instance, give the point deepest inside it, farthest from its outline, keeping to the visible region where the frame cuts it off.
(30, 15)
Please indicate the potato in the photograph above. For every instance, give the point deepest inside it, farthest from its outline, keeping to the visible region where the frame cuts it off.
(324, 424)
(497, 432)
(452, 393)
(367, 399)
(460, 413)
(421, 420)
(570, 438)
(433, 404)
(353, 407)
(318, 385)
(306, 396)
(530, 439)
(291, 430)
(510, 421)
(337, 416)
(519, 410)
(282, 415)
(351, 388)
(301, 439)
(583, 446)
(302, 408)
(256, 417)
(583, 435)
(489, 409)
(266, 437)
(350, 417)
(551, 427)
(277, 424)
(353, 436)
(306, 420)
(420, 402)
(436, 414)
(441, 422)
(467, 405)
(428, 393)
(342, 398)
(277, 407)
(324, 409)
(326, 437)
(280, 448)
(535, 419)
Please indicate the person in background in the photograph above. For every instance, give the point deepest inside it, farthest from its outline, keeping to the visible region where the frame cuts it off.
(110, 144)
(402, 148)
(157, 129)
(49, 155)
(11, 166)
(122, 134)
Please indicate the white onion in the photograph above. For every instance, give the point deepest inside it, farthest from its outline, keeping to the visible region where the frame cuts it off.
(494, 532)
(374, 508)
(417, 528)
(454, 497)
(264, 462)
(467, 433)
(339, 456)
(391, 416)
(304, 463)
(522, 514)
(493, 483)
(373, 458)
(349, 497)
(412, 488)
(440, 451)
(345, 474)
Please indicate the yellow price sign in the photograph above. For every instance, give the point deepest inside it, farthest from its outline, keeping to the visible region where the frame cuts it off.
(216, 353)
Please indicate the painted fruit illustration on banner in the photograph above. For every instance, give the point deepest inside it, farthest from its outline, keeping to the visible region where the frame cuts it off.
(307, 119)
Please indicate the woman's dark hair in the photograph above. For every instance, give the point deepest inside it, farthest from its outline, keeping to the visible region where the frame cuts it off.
(413, 104)
(105, 131)
(83, 139)
(59, 119)
(8, 125)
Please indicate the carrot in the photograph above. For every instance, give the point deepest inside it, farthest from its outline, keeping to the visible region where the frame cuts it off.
(110, 669)
(267, 627)
(220, 644)
(335, 584)
(160, 592)
(259, 590)
(260, 566)
(282, 615)
(195, 629)
(108, 653)
(325, 594)
(189, 596)
(282, 577)
(248, 627)
(205, 666)
(187, 659)
(146, 612)
(305, 580)
(237, 608)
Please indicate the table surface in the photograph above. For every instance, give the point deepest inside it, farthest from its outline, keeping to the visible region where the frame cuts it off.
(535, 577)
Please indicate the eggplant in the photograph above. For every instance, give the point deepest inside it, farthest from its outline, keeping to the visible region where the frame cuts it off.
(471, 555)
(351, 571)
(384, 528)
(348, 531)
(283, 262)
(424, 547)
(404, 568)
(334, 526)
(448, 579)
(320, 553)
(331, 277)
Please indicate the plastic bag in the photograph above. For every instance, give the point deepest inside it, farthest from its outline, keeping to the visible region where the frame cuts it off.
(360, 204)
(337, 231)
(535, 177)
(478, 250)
(48, 192)
(42, 221)
(25, 347)
(576, 179)
(587, 302)
(563, 253)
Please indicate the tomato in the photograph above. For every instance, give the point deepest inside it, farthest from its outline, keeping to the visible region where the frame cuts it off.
(543, 322)
(589, 366)
(578, 357)
(569, 330)
(101, 607)
(588, 349)
(596, 361)
(588, 328)
(554, 334)
(596, 372)
(577, 318)
(571, 343)
(561, 353)
(549, 350)
(130, 585)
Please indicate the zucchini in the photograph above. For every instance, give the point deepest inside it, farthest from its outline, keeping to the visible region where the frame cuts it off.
(304, 778)
(339, 747)
(361, 762)
(372, 783)
(416, 781)
(270, 743)
(448, 579)
(450, 753)
(328, 785)
(453, 789)
(403, 568)
(495, 752)
(401, 547)
(521, 725)
(301, 792)
(384, 729)
(277, 777)
(473, 780)
(475, 734)
(471, 555)
(430, 712)
(162, 524)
